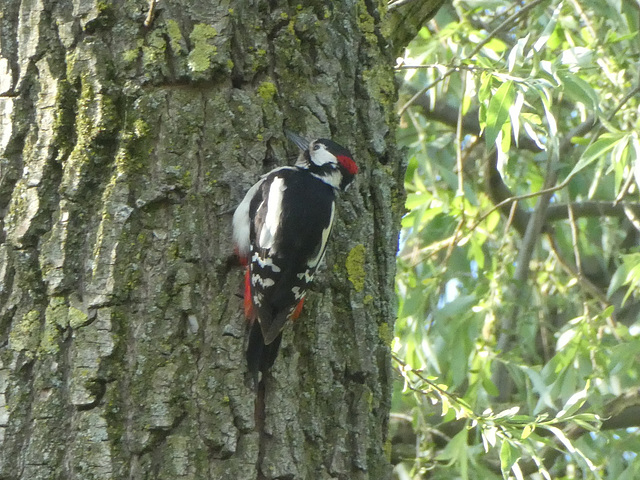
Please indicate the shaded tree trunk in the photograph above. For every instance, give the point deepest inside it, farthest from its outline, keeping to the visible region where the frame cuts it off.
(129, 133)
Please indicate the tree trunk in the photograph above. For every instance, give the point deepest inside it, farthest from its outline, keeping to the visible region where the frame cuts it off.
(129, 133)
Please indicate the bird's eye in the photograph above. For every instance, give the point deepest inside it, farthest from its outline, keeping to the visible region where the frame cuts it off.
(316, 147)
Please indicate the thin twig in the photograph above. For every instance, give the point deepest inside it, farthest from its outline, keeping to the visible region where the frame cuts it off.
(418, 373)
(632, 93)
(581, 279)
(150, 13)
(471, 68)
(624, 189)
(454, 242)
(512, 212)
(459, 137)
(516, 198)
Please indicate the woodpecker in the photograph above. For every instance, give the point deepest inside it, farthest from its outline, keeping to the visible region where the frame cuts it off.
(280, 230)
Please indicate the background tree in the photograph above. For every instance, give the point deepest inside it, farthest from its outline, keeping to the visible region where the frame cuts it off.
(130, 131)
(519, 258)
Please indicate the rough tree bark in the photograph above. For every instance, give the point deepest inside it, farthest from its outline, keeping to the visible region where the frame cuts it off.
(129, 132)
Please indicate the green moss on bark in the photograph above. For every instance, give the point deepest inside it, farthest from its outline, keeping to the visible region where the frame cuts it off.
(267, 90)
(25, 336)
(203, 52)
(356, 267)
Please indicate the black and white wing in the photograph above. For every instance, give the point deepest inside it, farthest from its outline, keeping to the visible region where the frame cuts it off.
(292, 215)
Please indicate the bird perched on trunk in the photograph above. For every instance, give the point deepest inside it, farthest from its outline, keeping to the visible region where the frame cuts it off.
(280, 230)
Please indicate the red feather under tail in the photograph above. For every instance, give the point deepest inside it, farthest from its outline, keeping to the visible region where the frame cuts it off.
(297, 311)
(249, 311)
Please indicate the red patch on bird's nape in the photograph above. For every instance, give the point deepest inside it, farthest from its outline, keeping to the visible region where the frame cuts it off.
(348, 163)
(297, 311)
(249, 311)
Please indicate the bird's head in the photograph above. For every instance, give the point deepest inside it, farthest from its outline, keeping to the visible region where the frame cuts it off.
(326, 159)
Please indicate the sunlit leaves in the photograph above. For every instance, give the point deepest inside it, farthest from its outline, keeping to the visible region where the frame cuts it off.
(596, 151)
(635, 156)
(554, 94)
(509, 432)
(628, 274)
(498, 111)
(574, 402)
(579, 90)
(548, 29)
(456, 451)
(509, 455)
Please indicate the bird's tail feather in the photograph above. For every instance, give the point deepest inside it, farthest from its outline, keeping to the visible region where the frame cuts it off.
(260, 357)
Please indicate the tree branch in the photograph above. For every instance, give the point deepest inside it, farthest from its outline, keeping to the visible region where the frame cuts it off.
(591, 209)
(502, 379)
(406, 18)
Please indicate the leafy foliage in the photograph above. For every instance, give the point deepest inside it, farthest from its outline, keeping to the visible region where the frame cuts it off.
(518, 338)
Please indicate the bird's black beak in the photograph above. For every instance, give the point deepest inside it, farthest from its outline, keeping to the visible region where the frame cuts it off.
(301, 142)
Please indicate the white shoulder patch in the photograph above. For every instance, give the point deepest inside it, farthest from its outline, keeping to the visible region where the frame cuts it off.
(241, 221)
(274, 212)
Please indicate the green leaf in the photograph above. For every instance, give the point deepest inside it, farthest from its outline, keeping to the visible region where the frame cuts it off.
(580, 141)
(490, 387)
(579, 90)
(514, 115)
(633, 279)
(595, 151)
(484, 92)
(419, 199)
(562, 337)
(546, 99)
(542, 39)
(634, 157)
(574, 403)
(509, 412)
(577, 57)
(456, 307)
(540, 387)
(516, 55)
(498, 111)
(560, 435)
(509, 455)
(456, 451)
(620, 152)
(612, 37)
